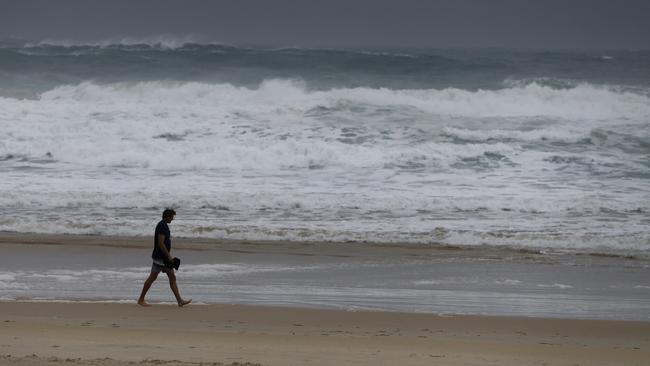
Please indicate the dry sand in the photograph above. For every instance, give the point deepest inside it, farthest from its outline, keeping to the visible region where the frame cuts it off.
(48, 333)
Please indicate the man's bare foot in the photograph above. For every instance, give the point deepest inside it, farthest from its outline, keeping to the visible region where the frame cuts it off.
(143, 303)
(184, 302)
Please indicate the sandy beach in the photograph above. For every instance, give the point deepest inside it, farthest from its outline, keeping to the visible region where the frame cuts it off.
(41, 333)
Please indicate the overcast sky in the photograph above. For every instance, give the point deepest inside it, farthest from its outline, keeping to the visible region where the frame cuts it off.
(554, 24)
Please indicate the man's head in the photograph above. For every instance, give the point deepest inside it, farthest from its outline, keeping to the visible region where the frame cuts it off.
(168, 215)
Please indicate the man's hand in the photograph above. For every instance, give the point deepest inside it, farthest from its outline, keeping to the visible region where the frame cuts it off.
(169, 262)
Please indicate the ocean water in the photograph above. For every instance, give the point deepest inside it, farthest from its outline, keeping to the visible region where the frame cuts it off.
(466, 147)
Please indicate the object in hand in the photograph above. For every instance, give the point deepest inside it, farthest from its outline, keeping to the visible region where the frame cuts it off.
(175, 263)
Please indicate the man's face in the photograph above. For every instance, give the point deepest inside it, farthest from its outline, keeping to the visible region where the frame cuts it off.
(169, 219)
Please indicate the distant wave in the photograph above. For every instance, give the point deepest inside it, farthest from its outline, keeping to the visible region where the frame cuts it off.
(31, 68)
(167, 42)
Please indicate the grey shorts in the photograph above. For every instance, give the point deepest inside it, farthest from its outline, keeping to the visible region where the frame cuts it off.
(158, 266)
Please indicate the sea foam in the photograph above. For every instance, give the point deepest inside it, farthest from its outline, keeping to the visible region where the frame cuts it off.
(282, 124)
(284, 161)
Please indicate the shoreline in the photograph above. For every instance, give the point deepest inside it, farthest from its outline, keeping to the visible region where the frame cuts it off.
(289, 308)
(367, 276)
(115, 334)
(198, 244)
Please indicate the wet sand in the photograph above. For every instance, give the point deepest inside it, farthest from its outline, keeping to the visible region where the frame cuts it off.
(353, 276)
(75, 332)
(43, 333)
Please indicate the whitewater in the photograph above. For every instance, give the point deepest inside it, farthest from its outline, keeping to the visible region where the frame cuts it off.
(442, 147)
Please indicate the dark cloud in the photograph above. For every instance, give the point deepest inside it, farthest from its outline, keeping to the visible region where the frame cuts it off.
(338, 23)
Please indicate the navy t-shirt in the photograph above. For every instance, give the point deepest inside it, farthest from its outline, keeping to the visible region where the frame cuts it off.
(163, 229)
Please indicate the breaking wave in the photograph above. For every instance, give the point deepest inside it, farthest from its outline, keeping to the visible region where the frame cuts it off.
(531, 163)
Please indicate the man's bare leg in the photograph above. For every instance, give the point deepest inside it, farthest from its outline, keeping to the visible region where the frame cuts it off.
(147, 285)
(174, 287)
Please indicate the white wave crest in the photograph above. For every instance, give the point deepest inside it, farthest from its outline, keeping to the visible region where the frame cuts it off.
(284, 124)
(583, 101)
(167, 42)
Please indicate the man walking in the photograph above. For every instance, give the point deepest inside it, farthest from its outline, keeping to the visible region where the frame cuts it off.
(161, 255)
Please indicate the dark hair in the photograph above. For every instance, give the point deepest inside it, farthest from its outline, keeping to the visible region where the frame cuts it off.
(168, 213)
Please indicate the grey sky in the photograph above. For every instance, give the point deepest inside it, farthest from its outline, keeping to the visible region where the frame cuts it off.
(603, 24)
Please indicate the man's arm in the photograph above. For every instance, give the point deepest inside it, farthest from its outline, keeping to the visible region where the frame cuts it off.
(161, 245)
